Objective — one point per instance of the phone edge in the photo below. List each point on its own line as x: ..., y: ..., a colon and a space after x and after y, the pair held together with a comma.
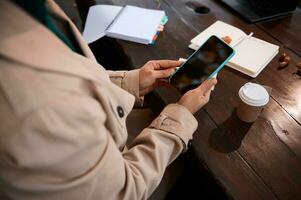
x: 215, y: 71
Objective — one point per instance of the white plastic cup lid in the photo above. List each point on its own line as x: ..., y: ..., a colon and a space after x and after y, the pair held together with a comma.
x: 254, y: 94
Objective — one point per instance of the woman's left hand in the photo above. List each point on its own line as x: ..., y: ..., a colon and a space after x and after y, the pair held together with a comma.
x: 152, y: 73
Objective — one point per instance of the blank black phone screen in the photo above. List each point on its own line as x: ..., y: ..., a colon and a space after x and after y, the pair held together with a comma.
x: 201, y: 64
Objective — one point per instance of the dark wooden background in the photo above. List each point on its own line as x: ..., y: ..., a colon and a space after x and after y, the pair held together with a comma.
x: 261, y: 160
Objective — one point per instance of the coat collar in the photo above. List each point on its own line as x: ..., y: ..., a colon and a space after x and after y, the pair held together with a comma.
x: 26, y: 41
x: 56, y: 10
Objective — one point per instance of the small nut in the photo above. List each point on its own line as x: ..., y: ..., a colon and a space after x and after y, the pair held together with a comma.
x: 287, y: 59
x: 284, y: 60
x: 299, y: 65
x: 281, y: 58
x: 283, y: 65
x: 227, y: 39
x: 298, y: 72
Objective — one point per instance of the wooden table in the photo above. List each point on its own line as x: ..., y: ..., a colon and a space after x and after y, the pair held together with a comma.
x: 251, y: 161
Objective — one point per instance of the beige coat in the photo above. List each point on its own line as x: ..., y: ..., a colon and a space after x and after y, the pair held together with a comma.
x: 62, y: 120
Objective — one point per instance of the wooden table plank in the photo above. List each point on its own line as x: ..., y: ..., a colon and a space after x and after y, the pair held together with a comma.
x: 259, y: 161
x: 288, y: 150
x: 252, y: 187
x: 285, y: 83
x: 230, y: 169
x: 271, y: 158
x: 290, y: 95
x: 287, y: 87
x: 286, y: 29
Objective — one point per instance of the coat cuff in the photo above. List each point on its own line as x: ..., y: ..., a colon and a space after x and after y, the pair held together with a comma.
x: 129, y: 81
x: 178, y: 120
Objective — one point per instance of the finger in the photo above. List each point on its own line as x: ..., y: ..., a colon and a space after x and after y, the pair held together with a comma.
x: 163, y: 73
x: 207, y: 85
x: 163, y: 64
x: 207, y: 94
x: 206, y: 97
x: 227, y: 39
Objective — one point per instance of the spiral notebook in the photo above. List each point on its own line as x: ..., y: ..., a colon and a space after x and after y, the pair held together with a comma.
x: 252, y: 54
x: 129, y: 23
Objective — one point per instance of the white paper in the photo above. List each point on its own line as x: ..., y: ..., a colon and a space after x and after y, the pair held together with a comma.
x: 252, y: 54
x: 136, y: 24
x: 219, y: 29
x: 98, y: 19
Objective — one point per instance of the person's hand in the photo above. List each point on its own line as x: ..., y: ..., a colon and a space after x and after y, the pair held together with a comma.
x: 152, y: 74
x: 195, y: 99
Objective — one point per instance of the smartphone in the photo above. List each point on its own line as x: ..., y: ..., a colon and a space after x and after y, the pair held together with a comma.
x: 203, y: 64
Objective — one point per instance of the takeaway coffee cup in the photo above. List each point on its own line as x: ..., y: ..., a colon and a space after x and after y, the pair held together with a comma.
x: 253, y: 99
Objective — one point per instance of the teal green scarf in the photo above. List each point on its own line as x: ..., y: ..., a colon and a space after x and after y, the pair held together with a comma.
x: 38, y: 9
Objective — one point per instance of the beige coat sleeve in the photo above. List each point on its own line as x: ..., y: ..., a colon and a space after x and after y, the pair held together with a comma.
x: 127, y: 80
x: 70, y: 154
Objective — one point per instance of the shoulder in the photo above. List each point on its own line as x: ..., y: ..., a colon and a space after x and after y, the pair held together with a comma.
x: 41, y: 119
x: 26, y: 89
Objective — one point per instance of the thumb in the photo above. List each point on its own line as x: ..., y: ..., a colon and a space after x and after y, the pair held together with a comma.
x: 206, y: 86
x: 165, y: 64
x: 164, y: 73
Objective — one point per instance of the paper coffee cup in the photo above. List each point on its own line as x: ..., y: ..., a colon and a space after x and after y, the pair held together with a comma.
x: 253, y: 99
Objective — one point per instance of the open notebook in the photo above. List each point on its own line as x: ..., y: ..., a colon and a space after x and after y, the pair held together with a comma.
x: 252, y: 54
x: 123, y: 22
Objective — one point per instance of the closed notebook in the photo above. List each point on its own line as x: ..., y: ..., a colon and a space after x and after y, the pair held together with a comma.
x: 252, y: 54
x: 128, y: 23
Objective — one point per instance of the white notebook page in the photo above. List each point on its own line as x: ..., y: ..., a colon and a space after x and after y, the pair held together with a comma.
x: 136, y: 23
x: 98, y: 19
x: 220, y: 29
x: 252, y: 54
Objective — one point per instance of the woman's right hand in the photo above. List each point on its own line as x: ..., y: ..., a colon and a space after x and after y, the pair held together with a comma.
x: 195, y: 99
